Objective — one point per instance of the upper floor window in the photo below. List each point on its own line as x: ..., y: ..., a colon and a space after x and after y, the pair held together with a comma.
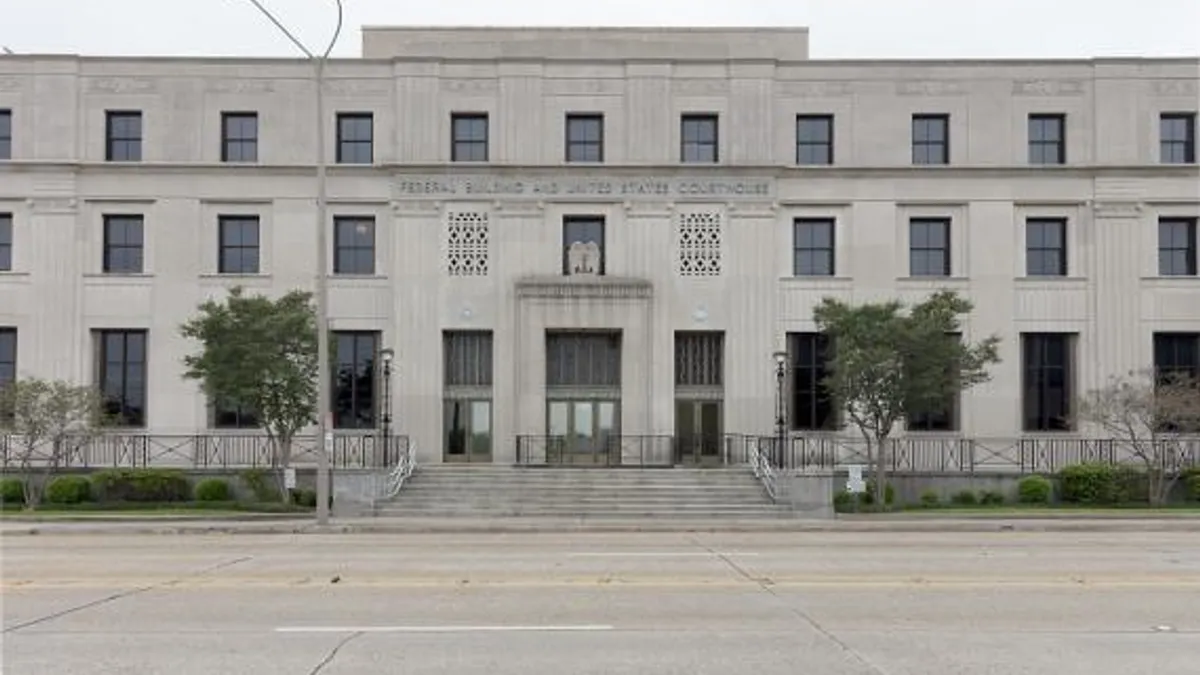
x: 814, y: 139
x: 355, y: 138
x: 585, y: 137
x: 929, y: 247
x: 123, y: 244
x: 5, y: 134
x: 123, y: 136
x: 469, y: 137
x: 8, y: 356
x: 1047, y: 139
x: 121, y: 375
x: 354, y: 245
x: 700, y: 139
x: 239, y: 245
x: 583, y: 245
x: 1176, y: 247
x: 931, y: 139
x: 812, y: 247
x: 6, y: 242
x: 1046, y: 247
x: 239, y: 137
x: 1177, y: 138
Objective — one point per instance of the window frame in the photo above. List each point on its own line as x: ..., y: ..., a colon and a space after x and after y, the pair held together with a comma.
x: 112, y: 142
x: 6, y: 134
x: 1038, y: 146
x: 103, y: 362
x: 8, y: 355
x: 830, y: 251
x: 338, y: 247
x: 367, y: 368
x: 109, y: 220
x: 1188, y: 248
x: 827, y: 146
x: 240, y: 142
x: 1186, y: 144
x: 699, y: 143
x: 224, y: 246
x: 1034, y: 372
x: 822, y: 411
x: 1177, y: 343
x: 1062, y: 251
x: 345, y: 144
x: 943, y: 119
x: 582, y: 219
x: 7, y: 245
x: 468, y: 358
x: 458, y: 144
x: 947, y: 252
x: 570, y: 145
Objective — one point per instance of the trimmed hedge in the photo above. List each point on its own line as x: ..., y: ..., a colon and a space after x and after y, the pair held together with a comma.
x: 141, y: 485
x: 930, y: 498
x: 964, y: 498
x: 992, y: 498
x: 1193, y: 487
x: 1035, y: 490
x: 69, y: 490
x: 212, y: 490
x: 12, y: 491
x: 1102, y: 484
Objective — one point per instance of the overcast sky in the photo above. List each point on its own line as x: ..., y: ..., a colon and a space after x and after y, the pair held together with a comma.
x: 839, y: 28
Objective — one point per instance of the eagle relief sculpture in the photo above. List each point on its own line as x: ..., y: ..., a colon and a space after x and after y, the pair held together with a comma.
x: 583, y: 258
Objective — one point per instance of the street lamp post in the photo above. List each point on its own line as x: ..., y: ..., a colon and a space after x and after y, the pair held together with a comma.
x: 386, y: 355
x: 324, y: 384
x: 781, y: 359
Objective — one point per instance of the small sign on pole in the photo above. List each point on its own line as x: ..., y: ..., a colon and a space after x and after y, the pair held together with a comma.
x: 855, y: 482
x: 289, y: 478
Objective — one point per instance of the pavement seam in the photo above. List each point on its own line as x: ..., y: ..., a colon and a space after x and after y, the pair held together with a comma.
x: 334, y: 652
x: 765, y: 585
x: 123, y: 594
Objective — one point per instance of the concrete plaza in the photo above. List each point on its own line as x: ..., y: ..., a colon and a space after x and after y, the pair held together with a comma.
x: 913, y: 603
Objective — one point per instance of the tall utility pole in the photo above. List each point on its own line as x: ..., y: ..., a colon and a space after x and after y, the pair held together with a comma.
x: 324, y: 383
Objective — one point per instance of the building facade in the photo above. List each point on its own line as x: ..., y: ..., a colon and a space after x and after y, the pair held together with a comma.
x: 590, y: 233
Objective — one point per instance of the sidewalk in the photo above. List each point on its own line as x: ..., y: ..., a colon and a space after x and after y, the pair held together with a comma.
x: 847, y: 524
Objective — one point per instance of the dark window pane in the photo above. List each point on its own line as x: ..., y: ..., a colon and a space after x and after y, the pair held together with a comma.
x: 123, y: 245
x: 121, y: 376
x: 1046, y: 247
x: 123, y: 136
x: 469, y: 138
x: 239, y: 137
x: 354, y: 380
x: 1047, y: 381
x: 8, y: 355
x: 1177, y: 138
x: 585, y: 138
x: 699, y: 136
x: 354, y: 245
x: 5, y: 134
x: 929, y: 247
x: 6, y: 241
x: 810, y: 405
x: 582, y: 230
x: 1177, y: 246
x: 813, y: 252
x: 239, y: 245
x: 583, y: 359
x: 931, y: 139
x: 355, y: 138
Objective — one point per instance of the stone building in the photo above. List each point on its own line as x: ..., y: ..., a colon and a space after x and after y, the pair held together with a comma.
x: 598, y: 233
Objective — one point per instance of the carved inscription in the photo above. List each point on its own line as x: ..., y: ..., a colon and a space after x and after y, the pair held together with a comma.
x: 814, y: 89
x: 1177, y: 87
x: 584, y: 86
x: 1048, y: 87
x: 931, y: 88
x: 700, y: 86
x: 436, y: 187
x: 473, y: 85
x: 11, y: 84
x: 121, y: 85
x: 241, y: 87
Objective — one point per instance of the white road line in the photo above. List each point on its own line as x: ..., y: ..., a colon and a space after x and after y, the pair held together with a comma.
x: 443, y: 629
x: 661, y: 554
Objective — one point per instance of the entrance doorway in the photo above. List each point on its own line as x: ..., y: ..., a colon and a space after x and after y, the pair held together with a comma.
x: 698, y: 432
x: 583, y: 432
x: 468, y: 431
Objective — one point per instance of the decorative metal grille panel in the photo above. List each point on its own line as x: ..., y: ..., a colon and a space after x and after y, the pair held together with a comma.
x: 699, y: 359
x: 468, y: 244
x: 699, y: 244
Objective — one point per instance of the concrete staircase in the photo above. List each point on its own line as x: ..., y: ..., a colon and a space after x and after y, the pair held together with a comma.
x: 497, y: 491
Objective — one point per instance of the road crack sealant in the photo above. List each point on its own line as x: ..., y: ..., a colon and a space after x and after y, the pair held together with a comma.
x: 128, y: 593
x: 333, y: 653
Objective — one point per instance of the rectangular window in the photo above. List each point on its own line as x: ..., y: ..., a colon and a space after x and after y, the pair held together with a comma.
x: 232, y: 416
x: 944, y: 418
x: 123, y: 244
x: 6, y: 242
x: 123, y: 136
x: 239, y: 245
x: 585, y: 137
x: 810, y: 406
x: 1176, y: 247
x: 469, y: 137
x: 700, y: 139
x: 1046, y: 247
x: 8, y: 356
x: 929, y: 247
x: 931, y: 139
x: 1176, y: 355
x: 467, y: 358
x: 1048, y: 139
x: 121, y: 376
x: 583, y: 245
x: 812, y: 247
x: 354, y: 245
x: 354, y: 380
x: 5, y: 134
x: 699, y: 358
x: 1048, y: 381
x: 583, y: 359
x: 355, y: 138
x: 239, y: 137
x: 814, y: 139
x: 1177, y: 138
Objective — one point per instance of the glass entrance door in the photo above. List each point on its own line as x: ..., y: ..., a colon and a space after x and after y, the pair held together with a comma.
x: 468, y: 435
x: 583, y: 432
x: 698, y: 432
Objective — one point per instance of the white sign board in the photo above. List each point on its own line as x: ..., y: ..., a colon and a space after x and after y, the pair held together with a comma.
x: 855, y: 482
x: 289, y: 479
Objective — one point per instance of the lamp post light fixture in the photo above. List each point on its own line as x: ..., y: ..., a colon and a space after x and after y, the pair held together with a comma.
x: 324, y: 377
x: 781, y: 362
x: 386, y: 355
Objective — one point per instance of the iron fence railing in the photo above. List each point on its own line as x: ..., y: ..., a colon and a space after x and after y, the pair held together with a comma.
x: 205, y: 451
x: 970, y: 455
x: 639, y: 450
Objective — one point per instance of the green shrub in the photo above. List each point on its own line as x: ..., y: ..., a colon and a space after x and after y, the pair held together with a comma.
x: 1193, y: 487
x: 69, y: 490
x: 1035, y: 490
x: 843, y: 502
x: 261, y: 484
x: 992, y: 498
x: 12, y: 491
x: 141, y: 485
x: 964, y: 498
x: 212, y: 490
x: 868, y: 497
x: 930, y: 498
x: 304, y: 497
x: 1102, y: 484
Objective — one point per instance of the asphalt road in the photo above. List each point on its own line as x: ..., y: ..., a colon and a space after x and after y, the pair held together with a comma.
x: 557, y: 604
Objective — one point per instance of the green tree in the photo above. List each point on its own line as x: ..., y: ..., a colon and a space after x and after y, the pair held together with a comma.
x: 888, y: 362
x: 47, y: 421
x: 260, y: 354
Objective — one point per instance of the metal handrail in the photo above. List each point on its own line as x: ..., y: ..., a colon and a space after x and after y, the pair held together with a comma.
x: 404, y: 469
x: 763, y: 470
